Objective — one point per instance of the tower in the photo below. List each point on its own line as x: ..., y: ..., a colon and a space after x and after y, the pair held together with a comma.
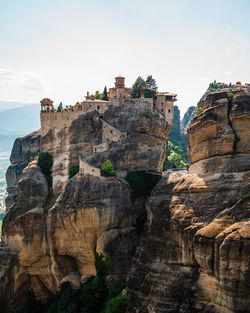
x: 119, y: 82
x: 46, y: 104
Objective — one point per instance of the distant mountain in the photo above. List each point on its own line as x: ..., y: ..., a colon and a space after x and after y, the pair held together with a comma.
x: 21, y: 120
x: 7, y: 105
x: 18, y: 122
x: 188, y: 116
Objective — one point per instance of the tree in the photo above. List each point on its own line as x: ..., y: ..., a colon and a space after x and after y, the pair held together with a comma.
x: 108, y: 169
x: 105, y: 94
x: 138, y: 87
x: 176, y: 156
x: 120, y: 304
x: 45, y: 161
x: 60, y: 107
x: 98, y: 95
x: 73, y: 171
x: 150, y: 87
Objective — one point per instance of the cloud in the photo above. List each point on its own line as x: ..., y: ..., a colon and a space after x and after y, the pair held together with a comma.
x: 19, y: 79
x: 205, y: 79
x: 228, y: 73
x: 18, y: 85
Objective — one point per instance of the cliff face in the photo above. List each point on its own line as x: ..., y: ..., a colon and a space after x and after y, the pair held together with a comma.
x: 24, y: 150
x: 194, y: 252
x: 86, y: 212
x: 188, y: 116
x: 143, y: 146
x: 176, y: 129
x: 219, y: 136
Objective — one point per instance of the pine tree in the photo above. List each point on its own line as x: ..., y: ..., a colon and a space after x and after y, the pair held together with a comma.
x: 105, y: 94
x: 150, y: 87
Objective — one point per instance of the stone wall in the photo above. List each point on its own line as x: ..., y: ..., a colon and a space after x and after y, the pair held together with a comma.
x: 63, y: 119
x: 111, y: 133
x: 101, y: 147
x: 86, y: 168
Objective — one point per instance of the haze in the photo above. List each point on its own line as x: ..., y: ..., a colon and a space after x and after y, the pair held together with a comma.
x: 62, y: 49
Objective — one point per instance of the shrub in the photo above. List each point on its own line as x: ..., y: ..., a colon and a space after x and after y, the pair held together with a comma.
x: 141, y: 183
x: 230, y: 96
x: 120, y: 304
x: 115, y: 288
x: 50, y: 201
x: 94, y: 296
x: 108, y: 169
x: 73, y: 171
x: 45, y: 161
x: 198, y: 111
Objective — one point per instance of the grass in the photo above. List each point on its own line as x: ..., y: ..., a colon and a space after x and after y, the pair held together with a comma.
x: 243, y: 196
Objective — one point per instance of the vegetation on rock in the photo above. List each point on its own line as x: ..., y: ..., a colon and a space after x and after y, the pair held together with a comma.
x: 108, y: 169
x: 73, y: 171
x: 96, y: 295
x: 45, y: 161
x: 176, y: 155
x: 141, y: 183
x: 198, y: 111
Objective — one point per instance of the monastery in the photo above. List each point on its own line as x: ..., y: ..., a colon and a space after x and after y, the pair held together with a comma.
x: 118, y: 95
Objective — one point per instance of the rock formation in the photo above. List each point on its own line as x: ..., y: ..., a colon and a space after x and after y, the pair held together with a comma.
x: 175, y: 132
x: 219, y: 136
x: 52, y: 238
x: 188, y: 116
x: 24, y: 150
x: 194, y: 251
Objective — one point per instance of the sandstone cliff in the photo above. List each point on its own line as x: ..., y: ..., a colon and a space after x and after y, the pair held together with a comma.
x: 24, y: 150
x: 194, y: 252
x: 54, y: 244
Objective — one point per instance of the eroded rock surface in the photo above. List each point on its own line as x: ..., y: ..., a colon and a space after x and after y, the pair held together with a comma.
x: 144, y: 147
x: 219, y: 136
x: 194, y: 252
x: 92, y: 213
x: 25, y: 149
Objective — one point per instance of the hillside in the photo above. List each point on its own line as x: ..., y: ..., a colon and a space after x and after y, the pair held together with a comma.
x: 20, y: 120
x: 16, y: 123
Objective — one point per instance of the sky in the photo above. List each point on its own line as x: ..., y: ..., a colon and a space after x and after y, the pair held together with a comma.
x: 63, y: 48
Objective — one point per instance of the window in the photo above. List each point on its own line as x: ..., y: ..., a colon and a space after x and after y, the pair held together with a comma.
x: 169, y: 110
x: 98, y: 107
x: 162, y: 110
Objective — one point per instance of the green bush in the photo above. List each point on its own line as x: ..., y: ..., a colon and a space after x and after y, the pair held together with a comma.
x: 108, y: 169
x: 141, y: 183
x: 176, y: 155
x: 230, y: 96
x: 96, y: 295
x: 50, y: 201
x: 73, y: 171
x: 45, y: 161
x: 120, y: 304
x: 198, y: 111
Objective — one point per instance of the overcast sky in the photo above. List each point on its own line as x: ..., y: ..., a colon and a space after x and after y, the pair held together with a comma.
x: 63, y: 48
